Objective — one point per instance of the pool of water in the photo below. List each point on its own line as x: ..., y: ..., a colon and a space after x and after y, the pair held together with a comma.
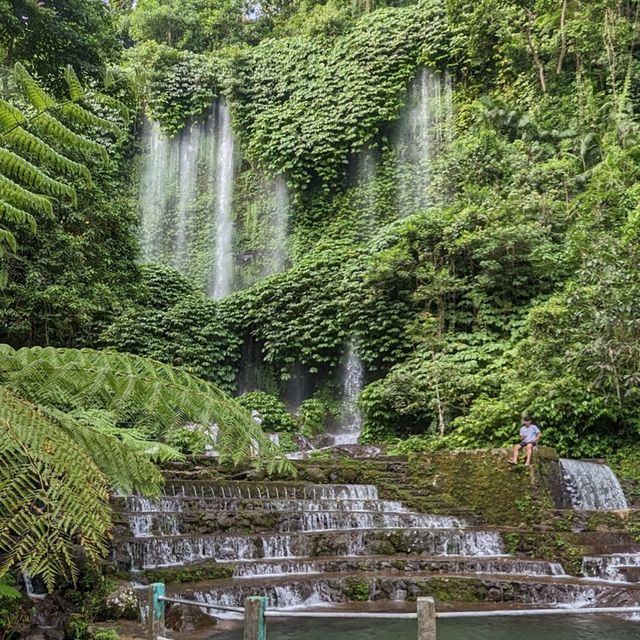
x: 532, y: 628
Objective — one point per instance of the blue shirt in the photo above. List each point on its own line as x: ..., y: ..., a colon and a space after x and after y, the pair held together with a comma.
x: 528, y: 434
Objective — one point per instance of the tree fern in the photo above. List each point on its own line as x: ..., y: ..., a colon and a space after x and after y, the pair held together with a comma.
x: 29, y: 166
x: 138, y: 391
x: 52, y: 495
x: 26, y: 143
x: 61, y: 448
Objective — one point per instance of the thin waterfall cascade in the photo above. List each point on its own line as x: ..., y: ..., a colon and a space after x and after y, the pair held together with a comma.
x: 352, y: 384
x: 424, y: 127
x: 225, y: 164
x: 366, y: 176
x: 591, y: 486
x: 622, y: 567
x: 186, y: 200
x: 279, y: 225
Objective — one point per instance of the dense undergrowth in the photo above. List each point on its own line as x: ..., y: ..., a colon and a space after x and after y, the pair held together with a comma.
x: 514, y: 286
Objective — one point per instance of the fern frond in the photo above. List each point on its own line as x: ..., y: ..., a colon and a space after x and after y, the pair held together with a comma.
x: 6, y: 237
x: 52, y: 495
x: 126, y: 467
x: 86, y: 118
x: 138, y: 391
x: 12, y: 214
x: 48, y: 125
x: 28, y: 173
x: 23, y: 198
x: 10, y: 117
x: 76, y: 90
x: 27, y: 143
x: 37, y: 96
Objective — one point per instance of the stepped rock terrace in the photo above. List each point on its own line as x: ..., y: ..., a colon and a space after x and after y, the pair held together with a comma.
x: 317, y: 543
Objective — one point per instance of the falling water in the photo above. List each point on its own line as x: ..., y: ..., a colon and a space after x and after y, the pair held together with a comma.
x: 366, y: 179
x: 351, y: 423
x: 223, y: 274
x: 158, y: 174
x: 188, y: 145
x: 592, y: 486
x: 423, y: 128
x: 280, y: 224
x: 186, y: 194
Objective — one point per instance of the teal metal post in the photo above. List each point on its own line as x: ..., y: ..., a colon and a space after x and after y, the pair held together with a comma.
x: 255, y: 623
x: 155, y: 623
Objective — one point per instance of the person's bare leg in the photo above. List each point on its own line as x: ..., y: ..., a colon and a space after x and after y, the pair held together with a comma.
x: 529, y: 452
x: 516, y: 450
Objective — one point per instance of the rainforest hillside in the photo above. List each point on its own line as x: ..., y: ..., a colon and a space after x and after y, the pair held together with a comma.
x: 439, y: 195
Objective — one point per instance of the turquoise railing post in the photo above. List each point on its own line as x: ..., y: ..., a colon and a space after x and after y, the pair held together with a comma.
x: 255, y: 623
x: 155, y: 622
x: 426, y: 611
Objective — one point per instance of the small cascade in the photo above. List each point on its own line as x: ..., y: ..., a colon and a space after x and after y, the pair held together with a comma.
x: 186, y: 193
x: 279, y: 226
x: 353, y: 381
x: 424, y: 126
x: 624, y: 567
x: 591, y: 486
x: 366, y: 176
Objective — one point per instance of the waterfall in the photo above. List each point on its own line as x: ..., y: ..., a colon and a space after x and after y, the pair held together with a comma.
x: 223, y: 273
x: 186, y: 194
x: 591, y: 486
x: 280, y: 225
x: 188, y: 145
x: 366, y: 181
x: 353, y: 381
x: 157, y: 175
x: 423, y: 127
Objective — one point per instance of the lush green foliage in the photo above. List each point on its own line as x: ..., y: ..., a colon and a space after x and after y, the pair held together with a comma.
x: 271, y: 410
x: 511, y: 285
x: 25, y: 189
x: 74, y: 424
x: 178, y: 85
x: 202, y: 338
x: 304, y: 104
x: 51, y: 34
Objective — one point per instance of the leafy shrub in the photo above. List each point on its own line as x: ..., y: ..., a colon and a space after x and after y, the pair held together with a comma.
x: 273, y: 411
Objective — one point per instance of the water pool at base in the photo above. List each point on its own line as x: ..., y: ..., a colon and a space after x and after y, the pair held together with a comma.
x: 533, y: 628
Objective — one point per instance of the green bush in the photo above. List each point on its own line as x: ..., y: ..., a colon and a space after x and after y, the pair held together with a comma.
x: 273, y: 412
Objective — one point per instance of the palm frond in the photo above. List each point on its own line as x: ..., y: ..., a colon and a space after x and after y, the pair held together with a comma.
x: 138, y: 391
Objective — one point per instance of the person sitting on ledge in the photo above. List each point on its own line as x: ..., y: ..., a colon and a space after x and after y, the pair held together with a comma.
x: 529, y: 436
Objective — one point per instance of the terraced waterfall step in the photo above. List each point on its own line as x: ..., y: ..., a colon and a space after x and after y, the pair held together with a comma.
x: 164, y: 551
x: 307, y: 591
x: 303, y: 544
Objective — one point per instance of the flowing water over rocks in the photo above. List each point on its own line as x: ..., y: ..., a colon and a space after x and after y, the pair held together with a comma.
x: 590, y: 485
x: 304, y: 544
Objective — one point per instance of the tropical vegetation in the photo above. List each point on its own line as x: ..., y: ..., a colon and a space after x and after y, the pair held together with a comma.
x: 509, y: 284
